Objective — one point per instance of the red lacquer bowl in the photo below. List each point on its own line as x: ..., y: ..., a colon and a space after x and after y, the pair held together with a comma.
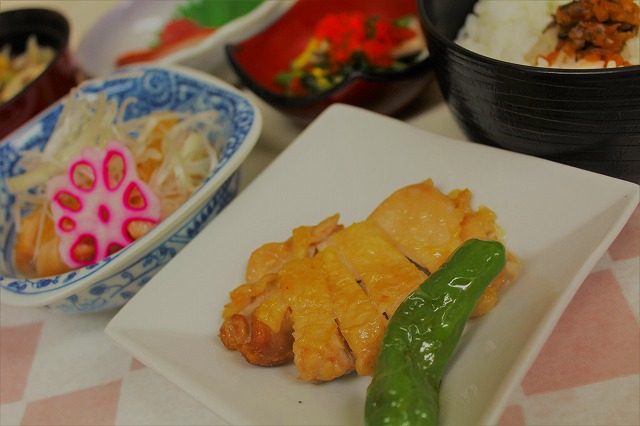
x: 259, y: 59
x: 52, y: 29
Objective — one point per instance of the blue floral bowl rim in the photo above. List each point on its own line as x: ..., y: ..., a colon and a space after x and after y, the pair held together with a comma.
x: 165, y: 228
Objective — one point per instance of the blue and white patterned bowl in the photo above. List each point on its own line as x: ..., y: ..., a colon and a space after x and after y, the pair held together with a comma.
x: 111, y: 282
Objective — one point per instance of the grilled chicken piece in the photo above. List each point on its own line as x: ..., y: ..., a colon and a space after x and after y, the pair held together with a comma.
x: 358, y: 318
x: 432, y: 225
x: 242, y: 329
x: 423, y: 222
x: 267, y: 260
x: 256, y: 341
x: 482, y: 224
x: 320, y: 351
x: 506, y: 277
x: 250, y: 294
x: 256, y: 320
x: 329, y: 309
x: 387, y: 275
x: 271, y: 256
x: 324, y: 296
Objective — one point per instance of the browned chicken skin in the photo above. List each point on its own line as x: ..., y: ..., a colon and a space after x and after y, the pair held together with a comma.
x: 324, y: 296
x: 256, y: 341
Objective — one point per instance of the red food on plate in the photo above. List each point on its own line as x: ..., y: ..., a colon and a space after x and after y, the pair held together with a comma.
x: 176, y: 34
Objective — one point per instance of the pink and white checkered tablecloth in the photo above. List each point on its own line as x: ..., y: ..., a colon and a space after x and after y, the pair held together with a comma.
x: 61, y: 370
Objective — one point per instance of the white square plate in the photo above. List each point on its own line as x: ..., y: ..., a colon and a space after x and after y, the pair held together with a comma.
x: 558, y: 219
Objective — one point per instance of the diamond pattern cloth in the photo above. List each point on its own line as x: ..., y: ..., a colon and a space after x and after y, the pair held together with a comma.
x: 56, y: 370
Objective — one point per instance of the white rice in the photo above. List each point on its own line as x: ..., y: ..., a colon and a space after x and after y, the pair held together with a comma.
x: 513, y: 31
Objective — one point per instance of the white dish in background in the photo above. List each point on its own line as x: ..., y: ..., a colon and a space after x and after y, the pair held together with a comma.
x: 135, y: 24
x: 558, y: 219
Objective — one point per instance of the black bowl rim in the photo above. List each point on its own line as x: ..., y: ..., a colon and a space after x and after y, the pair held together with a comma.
x: 433, y: 32
x: 59, y: 52
x: 283, y: 101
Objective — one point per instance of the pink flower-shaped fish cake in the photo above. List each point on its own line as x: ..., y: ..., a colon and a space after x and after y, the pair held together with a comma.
x: 100, y: 205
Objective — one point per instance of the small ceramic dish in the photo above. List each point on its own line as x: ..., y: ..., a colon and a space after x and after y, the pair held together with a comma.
x: 51, y: 29
x: 111, y: 282
x: 257, y: 61
x: 135, y: 25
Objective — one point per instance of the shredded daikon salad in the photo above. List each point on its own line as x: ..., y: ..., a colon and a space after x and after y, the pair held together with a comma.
x: 173, y: 154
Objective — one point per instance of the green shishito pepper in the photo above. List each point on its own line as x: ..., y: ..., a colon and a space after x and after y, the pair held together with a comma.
x: 423, y: 333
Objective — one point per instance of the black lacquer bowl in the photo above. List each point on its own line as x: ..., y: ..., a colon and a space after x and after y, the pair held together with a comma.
x: 584, y: 118
x: 51, y: 29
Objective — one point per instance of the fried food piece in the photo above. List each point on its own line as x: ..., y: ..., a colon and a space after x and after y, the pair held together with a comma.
x: 273, y: 309
x: 257, y: 343
x: 320, y: 351
x: 267, y: 260
x: 423, y: 222
x: 387, y: 275
x: 337, y: 287
x: 245, y: 295
x: 243, y: 330
x: 297, y: 304
x: 358, y: 318
x: 271, y: 256
x: 507, y: 276
x: 427, y: 226
x: 258, y: 311
x: 482, y: 224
